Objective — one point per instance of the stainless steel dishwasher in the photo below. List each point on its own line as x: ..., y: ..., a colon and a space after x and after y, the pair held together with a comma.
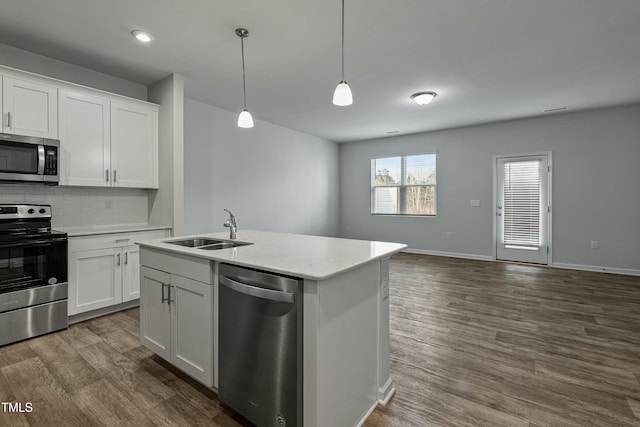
x: 260, y: 346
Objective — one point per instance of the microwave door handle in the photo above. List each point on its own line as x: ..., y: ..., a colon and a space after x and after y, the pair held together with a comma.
x: 40, y: 159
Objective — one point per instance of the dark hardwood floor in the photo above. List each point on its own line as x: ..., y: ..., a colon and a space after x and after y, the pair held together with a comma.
x: 473, y: 343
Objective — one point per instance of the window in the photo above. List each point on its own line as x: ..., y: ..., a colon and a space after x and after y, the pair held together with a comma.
x: 404, y: 185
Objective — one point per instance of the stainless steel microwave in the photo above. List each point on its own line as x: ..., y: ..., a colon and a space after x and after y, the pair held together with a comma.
x: 29, y: 159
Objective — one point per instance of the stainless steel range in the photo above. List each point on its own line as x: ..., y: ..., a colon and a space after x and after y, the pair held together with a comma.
x: 33, y: 273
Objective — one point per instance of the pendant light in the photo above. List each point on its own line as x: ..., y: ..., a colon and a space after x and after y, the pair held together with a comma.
x: 244, y: 119
x: 342, y: 95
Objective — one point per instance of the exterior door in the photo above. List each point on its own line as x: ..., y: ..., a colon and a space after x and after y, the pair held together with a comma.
x: 522, y: 208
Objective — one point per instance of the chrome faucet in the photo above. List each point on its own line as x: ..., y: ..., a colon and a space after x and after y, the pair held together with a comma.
x: 231, y: 223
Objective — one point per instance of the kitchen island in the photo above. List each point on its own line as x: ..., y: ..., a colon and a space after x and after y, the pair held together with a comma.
x: 345, y: 313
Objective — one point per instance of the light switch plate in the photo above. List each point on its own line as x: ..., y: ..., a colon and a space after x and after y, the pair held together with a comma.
x: 475, y: 203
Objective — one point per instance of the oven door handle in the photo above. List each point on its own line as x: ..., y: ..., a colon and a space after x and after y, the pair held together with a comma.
x: 40, y: 243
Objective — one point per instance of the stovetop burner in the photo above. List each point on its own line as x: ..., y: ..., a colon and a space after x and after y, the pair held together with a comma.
x: 20, y: 223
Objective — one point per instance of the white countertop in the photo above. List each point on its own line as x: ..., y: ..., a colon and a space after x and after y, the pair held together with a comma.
x: 109, y: 229
x: 310, y: 257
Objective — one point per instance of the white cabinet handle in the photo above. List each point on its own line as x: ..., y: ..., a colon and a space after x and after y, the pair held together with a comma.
x: 106, y: 175
x: 126, y: 258
x: 122, y: 240
x: 118, y: 257
x: 115, y: 176
x: 9, y: 119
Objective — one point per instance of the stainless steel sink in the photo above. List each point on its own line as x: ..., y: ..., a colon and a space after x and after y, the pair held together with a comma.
x: 195, y: 242
x: 207, y: 243
x: 224, y: 245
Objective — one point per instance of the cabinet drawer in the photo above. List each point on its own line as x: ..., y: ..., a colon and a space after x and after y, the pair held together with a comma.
x: 114, y: 240
x: 182, y: 265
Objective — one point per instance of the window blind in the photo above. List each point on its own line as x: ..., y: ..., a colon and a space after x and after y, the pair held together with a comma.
x: 521, y: 205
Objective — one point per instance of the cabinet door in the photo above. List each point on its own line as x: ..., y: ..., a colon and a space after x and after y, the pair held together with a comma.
x: 95, y: 279
x: 192, y: 328
x: 130, y: 273
x: 155, y: 313
x: 133, y: 141
x: 85, y: 136
x: 29, y: 108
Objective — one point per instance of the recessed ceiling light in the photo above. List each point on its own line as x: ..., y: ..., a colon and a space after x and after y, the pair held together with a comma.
x: 423, y: 98
x: 143, y: 36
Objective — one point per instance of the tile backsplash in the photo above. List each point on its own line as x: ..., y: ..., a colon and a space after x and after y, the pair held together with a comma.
x: 80, y: 206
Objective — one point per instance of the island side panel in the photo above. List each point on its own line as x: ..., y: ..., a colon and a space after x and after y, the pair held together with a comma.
x: 343, y: 310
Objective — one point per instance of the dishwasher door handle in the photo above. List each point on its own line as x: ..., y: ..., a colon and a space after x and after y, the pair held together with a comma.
x: 269, y: 294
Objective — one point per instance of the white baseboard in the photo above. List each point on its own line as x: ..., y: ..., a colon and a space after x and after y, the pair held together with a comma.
x: 449, y: 254
x: 626, y: 271
x: 386, y: 392
x: 583, y: 267
x: 366, y: 415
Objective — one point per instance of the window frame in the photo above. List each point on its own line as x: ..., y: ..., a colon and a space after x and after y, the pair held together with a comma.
x: 402, y: 187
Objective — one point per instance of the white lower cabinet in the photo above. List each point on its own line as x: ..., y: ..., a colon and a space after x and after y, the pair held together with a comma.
x: 95, y: 279
x: 176, y: 321
x: 104, y: 270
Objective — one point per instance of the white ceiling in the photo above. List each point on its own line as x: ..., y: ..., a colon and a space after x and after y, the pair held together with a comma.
x: 488, y: 60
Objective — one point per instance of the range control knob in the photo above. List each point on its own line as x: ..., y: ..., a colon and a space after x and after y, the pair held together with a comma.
x: 30, y: 211
x: 42, y: 210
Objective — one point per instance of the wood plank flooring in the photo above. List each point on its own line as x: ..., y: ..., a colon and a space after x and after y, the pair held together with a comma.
x: 477, y: 343
x: 473, y: 343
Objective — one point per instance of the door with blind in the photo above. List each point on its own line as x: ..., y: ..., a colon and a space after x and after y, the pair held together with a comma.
x: 522, y: 208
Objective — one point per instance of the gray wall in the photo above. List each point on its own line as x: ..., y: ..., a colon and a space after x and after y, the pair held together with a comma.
x: 596, y: 193
x: 39, y: 64
x: 272, y: 178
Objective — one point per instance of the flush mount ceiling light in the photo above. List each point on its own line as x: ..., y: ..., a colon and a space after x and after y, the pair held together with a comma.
x: 244, y: 119
x: 342, y: 95
x: 423, y: 98
x: 142, y: 36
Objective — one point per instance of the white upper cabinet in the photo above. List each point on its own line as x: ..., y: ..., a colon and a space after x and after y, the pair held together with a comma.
x: 133, y: 145
x: 85, y: 135
x: 29, y: 108
x: 107, y: 143
x: 106, y: 140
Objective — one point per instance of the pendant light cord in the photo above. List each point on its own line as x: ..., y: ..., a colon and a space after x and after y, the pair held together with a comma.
x: 342, y: 40
x: 244, y: 88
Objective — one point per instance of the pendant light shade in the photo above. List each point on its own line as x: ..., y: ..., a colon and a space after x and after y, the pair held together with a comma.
x: 342, y: 95
x: 244, y: 119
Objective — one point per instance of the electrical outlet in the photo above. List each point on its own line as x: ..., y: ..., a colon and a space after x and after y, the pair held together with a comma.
x: 107, y: 204
x: 449, y: 235
x: 594, y: 244
x: 385, y: 288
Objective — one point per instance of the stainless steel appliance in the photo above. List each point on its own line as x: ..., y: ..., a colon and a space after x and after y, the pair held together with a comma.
x: 260, y: 346
x: 29, y: 159
x: 33, y: 273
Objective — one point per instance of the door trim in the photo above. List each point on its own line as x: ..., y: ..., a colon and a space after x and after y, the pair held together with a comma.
x: 494, y: 210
